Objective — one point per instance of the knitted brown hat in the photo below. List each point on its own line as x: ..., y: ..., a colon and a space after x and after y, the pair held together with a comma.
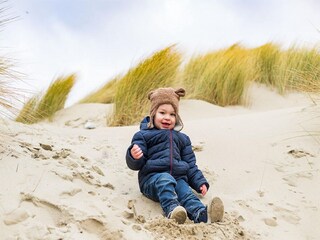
x: 165, y: 96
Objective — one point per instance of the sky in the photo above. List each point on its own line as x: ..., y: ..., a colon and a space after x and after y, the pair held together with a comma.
x: 100, y: 39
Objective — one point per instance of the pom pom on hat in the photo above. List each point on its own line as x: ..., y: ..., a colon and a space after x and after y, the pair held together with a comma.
x: 165, y: 96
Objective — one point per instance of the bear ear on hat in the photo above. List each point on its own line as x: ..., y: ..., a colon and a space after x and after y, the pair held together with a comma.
x: 149, y: 95
x: 180, y: 92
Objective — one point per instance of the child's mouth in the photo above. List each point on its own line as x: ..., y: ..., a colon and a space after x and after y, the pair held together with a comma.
x: 166, y: 125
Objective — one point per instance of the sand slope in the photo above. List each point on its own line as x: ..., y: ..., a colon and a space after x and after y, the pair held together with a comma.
x: 62, y: 181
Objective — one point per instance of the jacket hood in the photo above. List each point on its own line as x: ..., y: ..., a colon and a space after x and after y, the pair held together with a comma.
x: 145, y: 123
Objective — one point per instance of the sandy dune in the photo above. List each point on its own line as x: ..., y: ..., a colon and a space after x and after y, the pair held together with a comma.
x: 60, y: 180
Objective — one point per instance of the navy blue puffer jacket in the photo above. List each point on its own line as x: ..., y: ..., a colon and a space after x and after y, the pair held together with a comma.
x: 165, y: 151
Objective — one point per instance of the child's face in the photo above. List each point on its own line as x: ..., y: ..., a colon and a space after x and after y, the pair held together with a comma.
x: 165, y: 117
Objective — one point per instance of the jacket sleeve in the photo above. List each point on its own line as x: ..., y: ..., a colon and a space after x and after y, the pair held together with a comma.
x: 195, y: 176
x: 131, y: 162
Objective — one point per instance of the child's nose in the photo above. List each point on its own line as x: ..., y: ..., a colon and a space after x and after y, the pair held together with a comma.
x: 167, y: 116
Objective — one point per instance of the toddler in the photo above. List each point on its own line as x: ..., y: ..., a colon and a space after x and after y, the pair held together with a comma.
x: 167, y: 164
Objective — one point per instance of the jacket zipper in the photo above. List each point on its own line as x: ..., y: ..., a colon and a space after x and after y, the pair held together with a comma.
x: 171, y: 153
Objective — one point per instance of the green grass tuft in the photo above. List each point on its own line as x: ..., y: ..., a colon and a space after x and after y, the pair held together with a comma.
x: 27, y: 113
x: 300, y: 69
x: 9, y: 94
x: 267, y: 64
x: 37, y: 109
x: 131, y: 103
x: 220, y: 77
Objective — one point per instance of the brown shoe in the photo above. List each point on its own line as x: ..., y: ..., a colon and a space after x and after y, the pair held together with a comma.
x: 179, y: 214
x: 216, y: 210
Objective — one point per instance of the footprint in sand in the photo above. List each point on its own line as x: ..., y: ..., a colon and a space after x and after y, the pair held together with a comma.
x: 292, y: 179
x: 16, y: 216
x: 38, y: 231
x: 131, y: 214
x: 287, y: 215
x: 272, y: 222
x: 96, y: 226
x: 280, y: 169
x: 62, y: 216
x: 59, y: 216
x: 246, y: 206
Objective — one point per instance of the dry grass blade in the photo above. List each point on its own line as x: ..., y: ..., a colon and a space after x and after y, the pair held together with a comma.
x: 220, y: 77
x: 9, y: 95
x: 55, y: 96
x: 37, y: 109
x: 267, y: 62
x: 5, y: 15
x: 299, y: 67
x: 131, y: 103
x: 26, y: 114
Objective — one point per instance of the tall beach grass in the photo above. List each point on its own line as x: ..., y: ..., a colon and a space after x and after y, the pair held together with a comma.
x: 220, y: 77
x: 53, y: 100
x: 300, y: 69
x: 294, y: 69
x: 158, y: 70
x: 10, y: 94
x: 267, y: 61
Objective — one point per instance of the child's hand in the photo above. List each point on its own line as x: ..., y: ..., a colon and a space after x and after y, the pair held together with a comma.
x: 136, y: 152
x: 203, y: 189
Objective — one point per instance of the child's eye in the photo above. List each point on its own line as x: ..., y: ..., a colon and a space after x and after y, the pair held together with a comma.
x: 173, y: 114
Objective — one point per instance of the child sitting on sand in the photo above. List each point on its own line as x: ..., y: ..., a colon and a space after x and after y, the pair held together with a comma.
x: 167, y: 164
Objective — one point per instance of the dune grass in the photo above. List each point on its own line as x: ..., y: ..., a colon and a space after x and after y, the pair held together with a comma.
x: 267, y: 60
x: 308, y: 80
x: 9, y: 93
x: 131, y: 103
x: 300, y: 69
x: 294, y: 69
x: 220, y: 77
x: 39, y: 108
x: 27, y: 113
x: 310, y: 84
x: 105, y: 94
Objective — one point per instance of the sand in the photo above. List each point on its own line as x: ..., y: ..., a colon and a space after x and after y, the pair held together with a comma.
x: 60, y: 180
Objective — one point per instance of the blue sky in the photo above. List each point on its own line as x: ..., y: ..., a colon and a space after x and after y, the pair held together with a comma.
x: 99, y: 39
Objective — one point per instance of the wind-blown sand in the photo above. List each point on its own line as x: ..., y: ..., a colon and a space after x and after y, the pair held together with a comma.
x: 62, y: 181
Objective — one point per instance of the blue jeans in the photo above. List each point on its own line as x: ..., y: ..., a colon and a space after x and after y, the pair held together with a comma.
x: 163, y: 188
